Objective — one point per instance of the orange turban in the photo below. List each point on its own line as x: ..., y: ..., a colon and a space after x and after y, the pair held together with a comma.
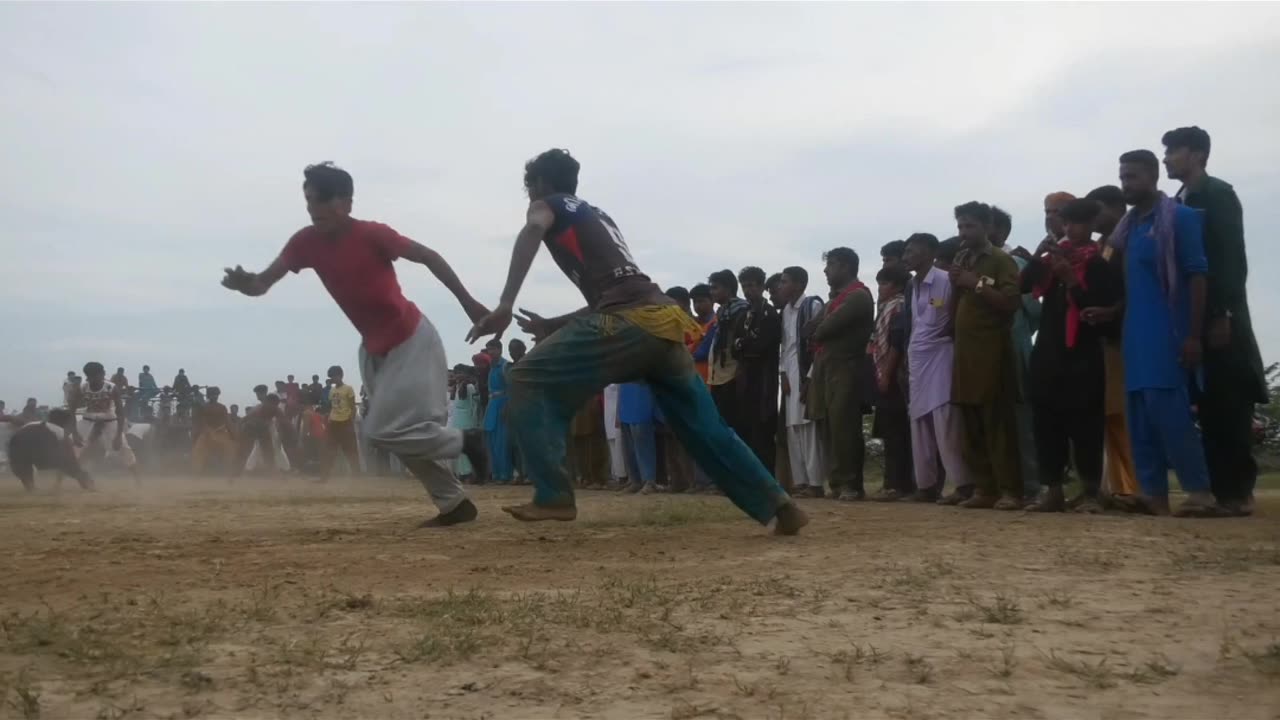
x: 1055, y: 201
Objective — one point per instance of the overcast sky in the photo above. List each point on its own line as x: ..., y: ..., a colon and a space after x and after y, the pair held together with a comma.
x: 147, y: 146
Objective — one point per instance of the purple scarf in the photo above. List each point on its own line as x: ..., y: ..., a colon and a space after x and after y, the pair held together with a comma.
x: 1162, y: 232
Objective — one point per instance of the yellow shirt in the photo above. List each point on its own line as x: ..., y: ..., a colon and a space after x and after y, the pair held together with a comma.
x: 342, y: 403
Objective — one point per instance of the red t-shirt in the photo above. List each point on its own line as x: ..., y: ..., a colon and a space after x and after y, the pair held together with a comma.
x: 355, y: 268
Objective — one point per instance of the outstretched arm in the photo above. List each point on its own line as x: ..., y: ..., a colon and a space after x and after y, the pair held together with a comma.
x: 423, y: 255
x: 254, y: 284
x: 537, y: 222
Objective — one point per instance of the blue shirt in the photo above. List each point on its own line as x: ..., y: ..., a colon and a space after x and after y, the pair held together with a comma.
x: 635, y: 404
x: 497, y: 395
x: 1153, y: 328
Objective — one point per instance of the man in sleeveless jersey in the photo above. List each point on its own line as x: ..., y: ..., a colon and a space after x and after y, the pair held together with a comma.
x: 629, y: 331
x: 402, y: 360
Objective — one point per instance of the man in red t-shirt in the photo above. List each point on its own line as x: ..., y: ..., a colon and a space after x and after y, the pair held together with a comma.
x: 402, y: 360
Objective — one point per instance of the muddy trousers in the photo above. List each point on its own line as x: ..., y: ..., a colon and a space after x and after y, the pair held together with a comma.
x: 409, y: 412
x: 36, y: 446
x: 562, y: 372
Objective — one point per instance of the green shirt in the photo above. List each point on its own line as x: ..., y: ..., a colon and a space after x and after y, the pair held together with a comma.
x: 984, y: 355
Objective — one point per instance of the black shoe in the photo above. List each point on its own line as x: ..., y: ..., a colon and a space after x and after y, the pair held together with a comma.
x: 927, y: 495
x: 464, y: 513
x: 473, y: 448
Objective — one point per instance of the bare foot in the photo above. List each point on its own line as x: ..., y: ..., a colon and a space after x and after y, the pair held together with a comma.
x: 789, y: 519
x: 535, y: 513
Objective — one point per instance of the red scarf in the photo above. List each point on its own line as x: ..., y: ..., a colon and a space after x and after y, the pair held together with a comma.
x: 1079, y: 257
x: 839, y: 300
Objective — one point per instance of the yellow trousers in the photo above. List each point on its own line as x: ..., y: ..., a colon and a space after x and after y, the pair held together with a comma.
x: 1118, y: 475
x: 217, y: 441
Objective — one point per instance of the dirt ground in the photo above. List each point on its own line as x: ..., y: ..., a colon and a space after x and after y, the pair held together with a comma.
x: 189, y: 599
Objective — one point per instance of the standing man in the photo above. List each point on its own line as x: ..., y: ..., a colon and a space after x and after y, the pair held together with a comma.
x: 1026, y: 322
x: 401, y: 357
x: 216, y: 435
x: 757, y: 381
x: 1118, y: 478
x: 1163, y: 325
x: 1068, y: 371
x: 1234, y: 379
x: 888, y: 353
x: 984, y: 382
x: 704, y: 312
x: 936, y: 434
x: 628, y: 331
x: 723, y: 373
x: 340, y: 433
x: 840, y: 336
x: 497, y: 439
x: 147, y: 385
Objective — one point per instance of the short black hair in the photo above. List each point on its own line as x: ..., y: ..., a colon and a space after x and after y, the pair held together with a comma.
x: 1108, y: 195
x: 213, y: 392
x: 751, y: 273
x: 842, y: 255
x: 947, y: 249
x: 1001, y: 220
x: 493, y: 343
x: 1082, y: 210
x: 556, y: 168
x: 772, y: 283
x: 679, y: 294
x: 516, y: 342
x: 335, y: 370
x: 798, y: 275
x: 328, y: 181
x: 893, y: 249
x: 272, y: 398
x: 1145, y: 158
x: 1193, y: 138
x: 975, y: 210
x: 92, y: 367
x: 895, y: 274
x: 258, y: 389
x: 930, y: 242
x: 701, y: 290
x: 58, y: 416
x: 725, y: 279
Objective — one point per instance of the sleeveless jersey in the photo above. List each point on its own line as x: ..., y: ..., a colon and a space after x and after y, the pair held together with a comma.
x: 588, y: 247
x: 98, y: 404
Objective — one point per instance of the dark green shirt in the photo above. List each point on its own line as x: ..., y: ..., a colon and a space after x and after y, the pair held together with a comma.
x: 984, y: 359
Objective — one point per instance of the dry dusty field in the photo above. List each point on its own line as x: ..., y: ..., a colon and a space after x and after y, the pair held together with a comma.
x: 189, y: 599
